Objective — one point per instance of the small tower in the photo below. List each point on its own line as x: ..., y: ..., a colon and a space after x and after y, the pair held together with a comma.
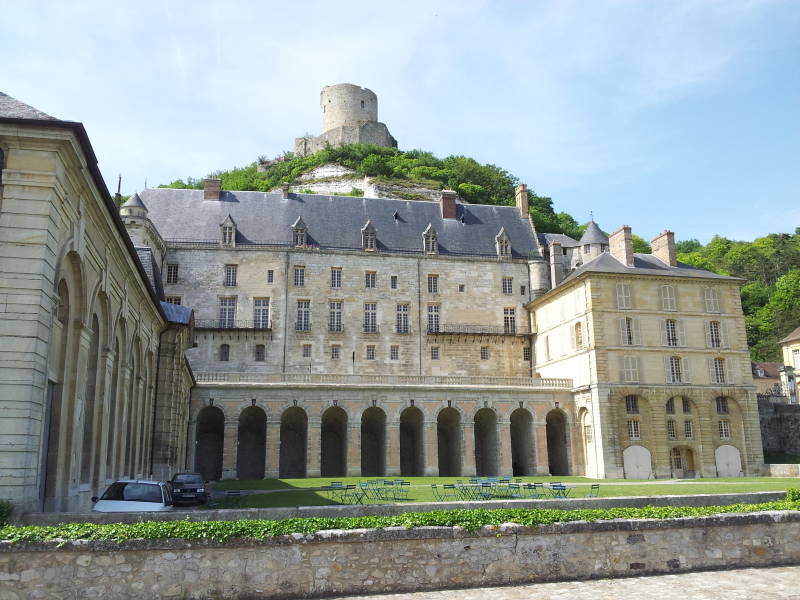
x: 133, y: 207
x: 592, y: 244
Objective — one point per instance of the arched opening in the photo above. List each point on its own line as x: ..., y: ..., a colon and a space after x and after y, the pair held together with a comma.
x: 252, y: 448
x: 89, y: 402
x: 729, y: 461
x: 294, y: 441
x: 448, y: 437
x: 486, y: 450
x: 412, y: 458
x: 210, y: 437
x: 333, y: 460
x: 522, y: 460
x: 373, y: 442
x: 556, y: 426
x: 681, y: 462
x: 636, y: 462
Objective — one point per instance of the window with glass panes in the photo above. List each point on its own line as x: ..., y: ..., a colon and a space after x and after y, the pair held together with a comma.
x: 711, y: 300
x: 676, y: 459
x: 261, y: 353
x: 393, y: 282
x: 230, y: 276
x: 401, y: 320
x: 688, y: 430
x: 172, y: 274
x: 370, y: 279
x: 303, y: 322
x: 626, y: 331
x: 484, y: 352
x: 671, y: 429
x: 336, y: 352
x: 670, y: 406
x: 227, y: 311
x: 173, y: 300
x: 370, y: 317
x: 526, y: 353
x: 633, y: 430
x: 335, y: 315
x: 509, y: 320
x: 718, y: 367
x: 336, y: 277
x: 714, y: 334
x: 433, y: 284
x: 306, y: 350
x: 687, y: 406
x: 227, y: 235
x: 224, y: 352
x: 434, y: 352
x: 370, y: 353
x: 433, y: 318
x: 624, y: 296
x: 270, y: 276
x: 261, y: 313
x: 668, y: 298
x: 632, y: 405
x: 394, y: 352
x: 671, y: 329
x: 722, y: 406
x: 508, y: 285
x: 675, y: 369
x: 724, y: 429
x: 299, y: 276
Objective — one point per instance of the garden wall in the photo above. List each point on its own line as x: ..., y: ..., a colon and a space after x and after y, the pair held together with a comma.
x: 395, y: 559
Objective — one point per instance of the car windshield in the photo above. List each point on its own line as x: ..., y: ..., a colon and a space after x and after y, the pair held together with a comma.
x: 133, y: 492
x: 187, y: 478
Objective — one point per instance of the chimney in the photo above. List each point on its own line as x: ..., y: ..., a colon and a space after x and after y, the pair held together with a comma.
x: 620, y: 244
x: 521, y: 196
x: 448, y: 204
x: 285, y: 188
x: 664, y: 248
x: 556, y: 264
x: 211, y: 189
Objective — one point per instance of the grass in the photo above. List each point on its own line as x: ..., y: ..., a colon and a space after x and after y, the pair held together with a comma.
x: 305, y: 492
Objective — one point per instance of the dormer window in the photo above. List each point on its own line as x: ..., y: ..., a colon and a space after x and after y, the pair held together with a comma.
x: 429, y: 240
x: 368, y: 237
x: 299, y: 233
x: 228, y: 231
x: 503, y: 244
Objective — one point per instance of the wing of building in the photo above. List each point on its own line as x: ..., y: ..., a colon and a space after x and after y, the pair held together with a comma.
x: 332, y: 336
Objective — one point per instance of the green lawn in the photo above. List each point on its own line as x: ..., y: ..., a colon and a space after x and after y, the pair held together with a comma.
x: 305, y: 492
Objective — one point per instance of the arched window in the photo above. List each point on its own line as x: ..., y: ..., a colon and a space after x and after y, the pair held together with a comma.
x: 670, y: 406
x: 224, y: 353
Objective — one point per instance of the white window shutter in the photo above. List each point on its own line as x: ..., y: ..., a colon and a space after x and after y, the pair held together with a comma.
x: 711, y: 378
x: 662, y: 296
x: 637, y: 333
x: 635, y: 368
x: 622, y: 341
x: 686, y: 375
x: 663, y: 332
x: 681, y: 333
x: 675, y: 297
x: 622, y: 369
x: 629, y: 289
x: 729, y: 370
x: 572, y: 337
x: 723, y: 331
x: 620, y: 295
x: 667, y: 373
x: 707, y: 330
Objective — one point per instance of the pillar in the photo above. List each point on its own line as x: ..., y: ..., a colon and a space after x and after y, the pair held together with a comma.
x: 271, y: 464
x: 468, y: 444
x: 392, y: 448
x: 504, y: 443
x: 353, y: 442
x: 313, y: 447
x: 430, y: 448
x: 229, y: 446
x: 540, y: 440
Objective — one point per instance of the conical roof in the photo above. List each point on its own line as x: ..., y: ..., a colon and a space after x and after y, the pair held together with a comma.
x: 14, y: 109
x: 593, y: 235
x: 134, y: 202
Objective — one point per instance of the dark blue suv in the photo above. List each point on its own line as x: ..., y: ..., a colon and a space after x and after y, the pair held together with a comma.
x: 189, y: 487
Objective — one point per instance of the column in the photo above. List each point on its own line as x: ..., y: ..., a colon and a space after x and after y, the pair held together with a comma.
x: 75, y: 436
x: 314, y: 447
x: 468, y: 444
x: 540, y: 439
x: 504, y: 439
x: 393, y: 448
x: 430, y: 440
x: 271, y: 464
x: 353, y: 467
x: 103, y: 414
x: 230, y: 445
x: 123, y: 414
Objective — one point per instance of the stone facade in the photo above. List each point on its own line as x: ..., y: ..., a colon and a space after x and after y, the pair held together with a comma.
x: 396, y: 559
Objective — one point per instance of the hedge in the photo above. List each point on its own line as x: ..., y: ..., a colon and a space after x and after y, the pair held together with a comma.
x: 470, y: 520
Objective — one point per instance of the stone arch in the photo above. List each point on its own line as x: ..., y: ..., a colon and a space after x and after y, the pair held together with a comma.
x: 333, y: 459
x: 557, y: 442
x: 448, y: 438
x: 728, y: 460
x: 487, y: 448
x: 522, y: 448
x: 373, y: 442
x: 637, y: 463
x: 209, y: 440
x: 252, y: 443
x: 293, y: 443
x: 412, y: 455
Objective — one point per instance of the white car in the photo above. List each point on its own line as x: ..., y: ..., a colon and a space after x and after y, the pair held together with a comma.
x: 134, y: 495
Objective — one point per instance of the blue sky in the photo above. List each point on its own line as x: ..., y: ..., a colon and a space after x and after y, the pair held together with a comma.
x: 679, y: 115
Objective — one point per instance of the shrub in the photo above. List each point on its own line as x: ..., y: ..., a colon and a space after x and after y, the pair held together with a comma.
x: 5, y: 511
x: 793, y: 495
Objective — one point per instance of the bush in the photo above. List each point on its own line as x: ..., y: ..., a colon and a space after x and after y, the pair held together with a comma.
x: 5, y: 511
x: 793, y: 495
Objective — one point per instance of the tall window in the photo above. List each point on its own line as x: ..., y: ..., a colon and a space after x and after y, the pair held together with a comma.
x: 688, y: 430
x: 394, y: 352
x: 722, y: 406
x: 227, y: 235
x: 335, y: 315
x: 270, y: 276
x: 711, y: 299
x: 368, y: 239
x: 434, y: 352
x: 687, y: 406
x: 670, y: 406
x: 796, y: 358
x: 508, y: 285
x: 718, y: 374
x: 714, y: 334
x: 484, y: 352
x: 227, y: 311
x: 261, y: 313
x: 370, y: 279
x: 299, y: 276
x: 675, y: 458
x: 370, y: 353
x: 633, y: 430
x: 303, y: 322
x: 336, y: 277
x: 675, y: 369
x: 671, y: 332
x: 526, y: 353
x: 671, y: 429
x: 577, y: 335
x: 509, y: 320
x: 433, y: 318
x: 172, y: 274
x: 401, y: 320
x: 260, y: 353
x: 299, y: 237
x: 724, y: 429
x: 224, y: 353
x: 627, y: 332
x: 336, y: 352
x: 668, y: 298
x: 306, y: 350
x: 624, y: 296
x: 393, y: 282
x: 630, y: 369
x: 632, y: 405
x: 429, y: 241
x: 230, y: 276
x: 370, y: 317
x: 433, y: 284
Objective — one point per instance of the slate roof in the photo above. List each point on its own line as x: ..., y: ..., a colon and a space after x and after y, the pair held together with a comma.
x: 151, y: 269
x: 12, y: 108
x: 643, y: 264
x: 563, y: 239
x: 795, y: 335
x: 593, y: 235
x: 336, y: 221
x: 176, y: 313
x: 134, y: 202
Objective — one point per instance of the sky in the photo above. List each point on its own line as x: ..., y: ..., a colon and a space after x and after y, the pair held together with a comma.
x: 659, y: 115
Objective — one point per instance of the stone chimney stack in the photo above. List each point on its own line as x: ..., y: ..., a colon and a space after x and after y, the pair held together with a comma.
x: 448, y: 204
x: 521, y: 196
x: 620, y: 244
x: 285, y: 188
x: 664, y: 248
x: 556, y: 263
x: 211, y: 188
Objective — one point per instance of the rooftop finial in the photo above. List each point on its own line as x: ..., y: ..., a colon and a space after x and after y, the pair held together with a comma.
x: 591, y: 215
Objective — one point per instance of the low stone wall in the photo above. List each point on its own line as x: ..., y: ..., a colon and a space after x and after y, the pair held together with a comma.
x: 783, y: 470
x: 395, y: 559
x: 358, y: 510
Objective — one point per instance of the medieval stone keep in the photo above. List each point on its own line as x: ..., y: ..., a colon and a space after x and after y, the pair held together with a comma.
x: 280, y: 334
